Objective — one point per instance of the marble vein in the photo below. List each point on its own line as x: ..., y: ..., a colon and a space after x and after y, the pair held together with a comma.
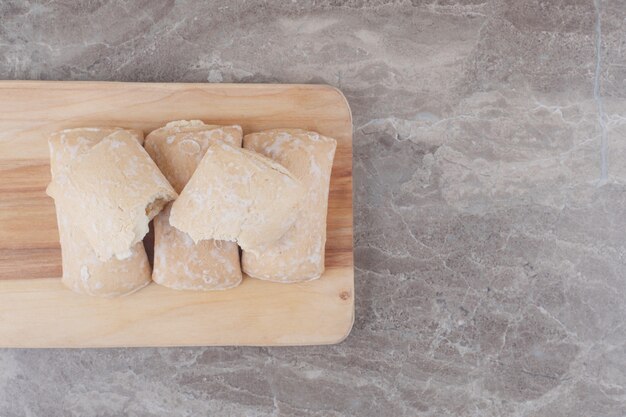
x: 604, y: 169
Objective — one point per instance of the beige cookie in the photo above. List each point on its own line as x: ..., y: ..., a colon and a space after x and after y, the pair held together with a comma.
x: 299, y: 254
x: 179, y: 262
x: 114, y: 190
x: 238, y: 195
x: 83, y: 272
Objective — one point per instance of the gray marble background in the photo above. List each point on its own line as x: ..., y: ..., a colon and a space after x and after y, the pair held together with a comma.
x: 490, y: 204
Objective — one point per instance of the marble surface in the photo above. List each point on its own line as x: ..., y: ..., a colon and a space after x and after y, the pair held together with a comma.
x: 490, y: 204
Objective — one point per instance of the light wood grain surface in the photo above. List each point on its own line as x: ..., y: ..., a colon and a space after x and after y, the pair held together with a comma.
x: 37, y: 311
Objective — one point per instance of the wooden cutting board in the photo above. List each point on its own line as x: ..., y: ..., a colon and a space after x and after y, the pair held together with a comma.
x: 37, y: 311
